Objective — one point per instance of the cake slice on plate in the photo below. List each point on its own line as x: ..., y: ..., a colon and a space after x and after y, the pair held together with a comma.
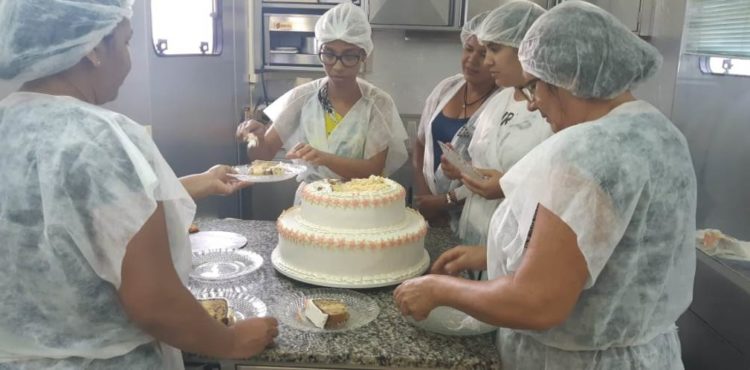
x: 218, y: 308
x: 326, y: 313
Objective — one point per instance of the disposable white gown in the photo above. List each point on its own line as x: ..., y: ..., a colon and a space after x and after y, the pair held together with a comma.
x: 371, y: 126
x: 625, y: 185
x: 79, y: 182
x: 435, y: 103
x: 505, y: 132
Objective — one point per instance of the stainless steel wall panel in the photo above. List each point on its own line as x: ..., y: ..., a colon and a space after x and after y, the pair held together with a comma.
x: 714, y: 114
x: 196, y: 104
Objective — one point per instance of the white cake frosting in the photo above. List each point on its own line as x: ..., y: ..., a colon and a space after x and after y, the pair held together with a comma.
x: 357, y: 234
x: 359, y: 203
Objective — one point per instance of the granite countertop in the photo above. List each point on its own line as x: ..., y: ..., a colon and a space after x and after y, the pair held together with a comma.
x: 387, y: 342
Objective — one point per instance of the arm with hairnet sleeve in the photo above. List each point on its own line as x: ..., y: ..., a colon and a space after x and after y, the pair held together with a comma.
x: 573, y: 208
x: 590, y: 183
x: 285, y: 130
x: 386, y: 134
x: 156, y: 300
x: 285, y: 113
x: 109, y: 195
x: 99, y: 189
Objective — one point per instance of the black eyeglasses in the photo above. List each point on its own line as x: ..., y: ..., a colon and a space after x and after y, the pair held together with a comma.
x: 348, y: 60
x: 529, y: 90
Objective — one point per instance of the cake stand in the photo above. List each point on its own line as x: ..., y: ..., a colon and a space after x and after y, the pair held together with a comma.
x: 359, y: 282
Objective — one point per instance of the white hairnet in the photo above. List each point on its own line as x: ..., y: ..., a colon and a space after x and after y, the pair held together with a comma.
x: 472, y: 26
x: 508, y: 24
x: 42, y: 37
x: 346, y: 22
x: 581, y: 48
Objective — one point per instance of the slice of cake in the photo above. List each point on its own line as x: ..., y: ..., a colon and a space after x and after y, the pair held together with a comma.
x: 326, y: 313
x: 218, y: 308
x: 265, y: 168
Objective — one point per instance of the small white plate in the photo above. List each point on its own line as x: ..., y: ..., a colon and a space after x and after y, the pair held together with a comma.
x: 456, y: 160
x: 224, y: 264
x: 203, y: 240
x: 243, y: 305
x: 450, y: 321
x: 362, y: 309
x: 290, y: 170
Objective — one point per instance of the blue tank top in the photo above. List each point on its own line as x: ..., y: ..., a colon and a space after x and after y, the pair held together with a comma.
x: 444, y: 129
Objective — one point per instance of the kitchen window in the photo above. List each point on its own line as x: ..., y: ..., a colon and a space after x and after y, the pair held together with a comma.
x: 719, y: 31
x: 725, y: 66
x: 186, y: 27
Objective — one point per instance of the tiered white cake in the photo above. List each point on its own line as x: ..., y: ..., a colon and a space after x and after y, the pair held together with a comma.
x: 354, y: 234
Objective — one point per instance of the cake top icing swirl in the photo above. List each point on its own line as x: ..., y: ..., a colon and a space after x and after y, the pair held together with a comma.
x: 374, y: 186
x: 371, y: 184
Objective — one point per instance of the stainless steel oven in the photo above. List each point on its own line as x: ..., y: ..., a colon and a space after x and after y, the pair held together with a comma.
x: 286, y: 31
x: 289, y: 40
x: 356, y: 2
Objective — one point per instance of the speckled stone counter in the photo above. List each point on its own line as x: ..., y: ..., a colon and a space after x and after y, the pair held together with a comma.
x: 389, y: 342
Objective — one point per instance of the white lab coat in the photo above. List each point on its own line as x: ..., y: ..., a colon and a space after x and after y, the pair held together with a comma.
x: 504, y: 133
x: 371, y: 126
x: 435, y: 103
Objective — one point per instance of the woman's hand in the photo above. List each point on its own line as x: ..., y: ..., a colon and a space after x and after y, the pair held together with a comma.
x: 488, y: 187
x: 251, y: 127
x: 460, y: 258
x: 452, y: 172
x: 309, y: 154
x: 432, y: 207
x: 220, y: 181
x: 417, y: 297
x: 252, y: 336
x: 215, y: 181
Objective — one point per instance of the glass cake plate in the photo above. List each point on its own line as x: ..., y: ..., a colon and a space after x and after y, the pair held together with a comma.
x: 224, y: 264
x: 290, y: 170
x: 204, y: 240
x: 243, y: 305
x: 362, y: 309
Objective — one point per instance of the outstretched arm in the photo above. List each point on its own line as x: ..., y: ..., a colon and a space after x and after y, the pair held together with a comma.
x: 155, y: 299
x: 541, y: 294
x: 215, y: 181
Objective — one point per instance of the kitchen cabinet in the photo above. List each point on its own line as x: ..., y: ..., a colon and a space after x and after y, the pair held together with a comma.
x: 415, y: 14
x: 637, y: 15
x: 474, y: 7
x: 714, y: 331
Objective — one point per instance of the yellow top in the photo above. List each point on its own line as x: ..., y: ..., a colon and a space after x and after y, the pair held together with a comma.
x: 332, y: 122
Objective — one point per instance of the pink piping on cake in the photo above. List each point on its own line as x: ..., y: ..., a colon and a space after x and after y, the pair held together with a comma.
x: 332, y: 242
x: 333, y: 202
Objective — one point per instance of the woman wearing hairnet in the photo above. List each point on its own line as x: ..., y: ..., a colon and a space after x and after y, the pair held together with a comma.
x: 341, y: 125
x: 506, y: 130
x: 93, y: 221
x: 592, y: 255
x: 449, y: 116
